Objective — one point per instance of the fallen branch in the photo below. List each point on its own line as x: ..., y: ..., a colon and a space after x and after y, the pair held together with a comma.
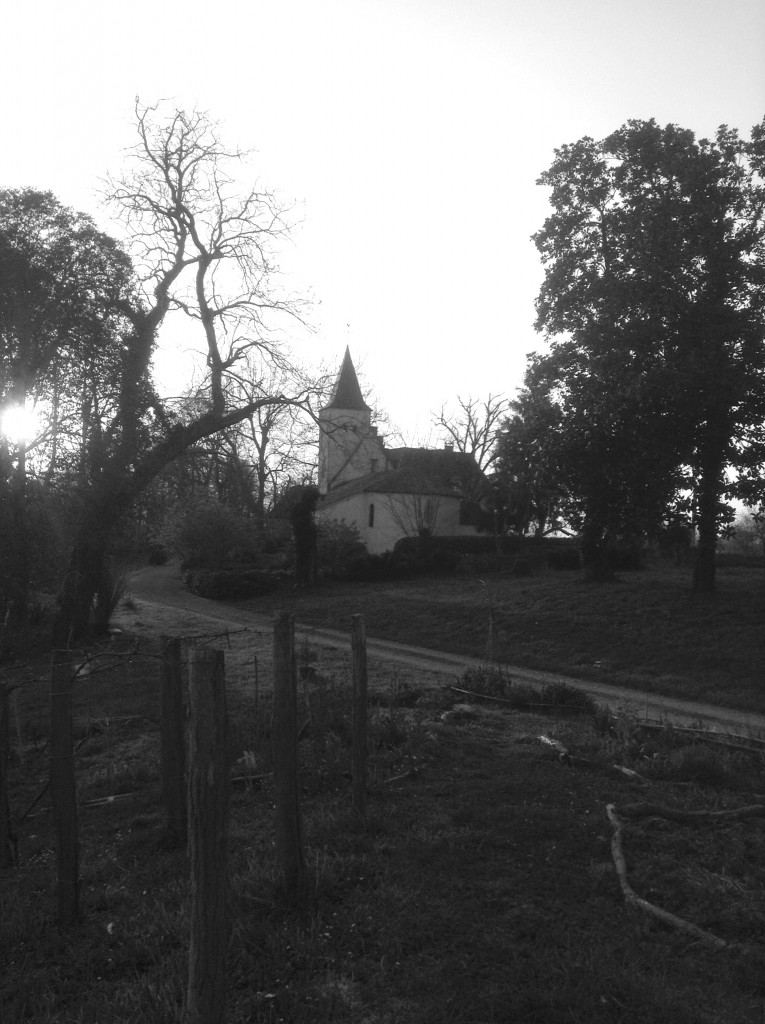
x: 409, y: 774
x: 249, y: 780
x: 629, y: 772
x: 734, y: 741
x: 556, y: 745
x: 678, y: 923
x: 647, y: 810
x: 542, y: 705
x: 582, y: 762
x: 630, y: 896
x: 481, y: 696
x: 103, y: 801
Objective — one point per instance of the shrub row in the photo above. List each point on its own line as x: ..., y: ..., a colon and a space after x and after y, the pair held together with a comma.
x: 413, y: 556
x: 232, y: 584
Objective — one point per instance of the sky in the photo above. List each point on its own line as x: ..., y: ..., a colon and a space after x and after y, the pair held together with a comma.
x: 410, y: 134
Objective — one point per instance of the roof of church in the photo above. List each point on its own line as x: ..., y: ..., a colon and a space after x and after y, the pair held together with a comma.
x: 418, y: 471
x: 347, y: 393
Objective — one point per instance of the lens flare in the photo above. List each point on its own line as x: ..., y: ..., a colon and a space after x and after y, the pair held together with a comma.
x: 19, y: 423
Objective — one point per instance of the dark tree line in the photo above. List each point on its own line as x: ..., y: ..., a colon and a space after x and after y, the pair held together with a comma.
x: 647, y: 406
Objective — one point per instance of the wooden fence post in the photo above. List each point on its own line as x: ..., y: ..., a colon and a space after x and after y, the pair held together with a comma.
x: 63, y: 789
x: 284, y: 732
x: 7, y: 840
x: 257, y: 688
x: 172, y: 749
x: 359, y: 757
x: 208, y: 794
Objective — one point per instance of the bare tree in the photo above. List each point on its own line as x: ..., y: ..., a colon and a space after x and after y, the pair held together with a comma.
x: 473, y: 426
x: 203, y: 248
x: 415, y: 514
x: 279, y: 442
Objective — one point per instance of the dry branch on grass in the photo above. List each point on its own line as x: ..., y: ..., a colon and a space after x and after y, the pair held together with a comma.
x: 582, y: 762
x: 648, y: 810
x: 481, y: 696
x: 631, y: 897
x: 730, y: 740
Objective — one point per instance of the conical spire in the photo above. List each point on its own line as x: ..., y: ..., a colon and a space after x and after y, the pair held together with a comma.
x: 347, y: 393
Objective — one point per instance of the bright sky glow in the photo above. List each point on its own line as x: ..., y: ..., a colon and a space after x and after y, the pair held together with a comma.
x: 19, y: 423
x: 410, y: 131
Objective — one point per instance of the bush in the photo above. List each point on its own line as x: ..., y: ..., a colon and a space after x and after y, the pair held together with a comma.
x: 565, y: 559
x: 626, y: 555
x: 338, y: 546
x: 459, y: 545
x: 209, y: 535
x: 492, y: 681
x: 378, y: 568
x: 231, y: 584
x: 32, y: 546
x: 157, y: 554
x: 413, y: 555
x: 563, y: 697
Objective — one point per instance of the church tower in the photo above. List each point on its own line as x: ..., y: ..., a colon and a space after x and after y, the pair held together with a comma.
x: 349, y: 447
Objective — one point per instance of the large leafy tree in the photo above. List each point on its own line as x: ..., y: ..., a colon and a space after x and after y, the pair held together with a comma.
x: 528, y: 473
x: 61, y: 329
x: 652, y: 304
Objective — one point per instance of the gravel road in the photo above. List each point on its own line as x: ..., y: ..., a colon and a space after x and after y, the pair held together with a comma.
x: 162, y: 586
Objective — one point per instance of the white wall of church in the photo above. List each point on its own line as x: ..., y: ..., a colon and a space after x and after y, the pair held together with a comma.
x: 390, y: 511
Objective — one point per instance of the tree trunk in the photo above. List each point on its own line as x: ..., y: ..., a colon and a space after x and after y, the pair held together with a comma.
x: 208, y: 810
x: 7, y: 838
x: 173, y: 748
x: 63, y: 789
x: 359, y: 763
x: 284, y: 741
x: 596, y: 563
x: 704, y: 564
x: 20, y: 542
x: 85, y: 576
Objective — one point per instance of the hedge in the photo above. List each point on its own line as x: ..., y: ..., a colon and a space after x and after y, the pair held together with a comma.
x: 232, y: 584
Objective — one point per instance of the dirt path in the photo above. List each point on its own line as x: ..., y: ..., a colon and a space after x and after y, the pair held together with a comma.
x: 162, y: 601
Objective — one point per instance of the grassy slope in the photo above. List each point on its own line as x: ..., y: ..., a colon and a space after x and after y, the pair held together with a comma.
x: 480, y: 890
x: 646, y: 631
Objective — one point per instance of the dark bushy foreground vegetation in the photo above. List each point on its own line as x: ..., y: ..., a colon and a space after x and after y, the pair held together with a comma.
x: 480, y: 889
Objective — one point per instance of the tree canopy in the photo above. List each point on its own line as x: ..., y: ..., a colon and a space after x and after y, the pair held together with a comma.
x: 653, y: 308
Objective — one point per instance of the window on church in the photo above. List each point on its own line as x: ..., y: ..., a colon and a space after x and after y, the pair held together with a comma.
x: 371, y: 515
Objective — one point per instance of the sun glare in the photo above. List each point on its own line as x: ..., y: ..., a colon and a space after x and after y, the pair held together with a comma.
x: 19, y: 423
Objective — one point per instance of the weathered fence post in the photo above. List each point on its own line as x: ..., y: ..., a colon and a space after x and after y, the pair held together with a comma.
x: 63, y: 788
x: 7, y: 841
x: 257, y: 688
x: 359, y: 757
x: 172, y: 749
x: 208, y: 794
x: 284, y: 733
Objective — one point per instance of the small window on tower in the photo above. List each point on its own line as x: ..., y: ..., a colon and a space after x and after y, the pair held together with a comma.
x: 371, y: 515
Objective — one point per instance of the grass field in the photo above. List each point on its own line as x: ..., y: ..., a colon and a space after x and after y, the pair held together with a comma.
x: 481, y: 888
x: 647, y: 631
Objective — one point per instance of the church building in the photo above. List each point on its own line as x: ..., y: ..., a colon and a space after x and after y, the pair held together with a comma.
x: 390, y: 493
